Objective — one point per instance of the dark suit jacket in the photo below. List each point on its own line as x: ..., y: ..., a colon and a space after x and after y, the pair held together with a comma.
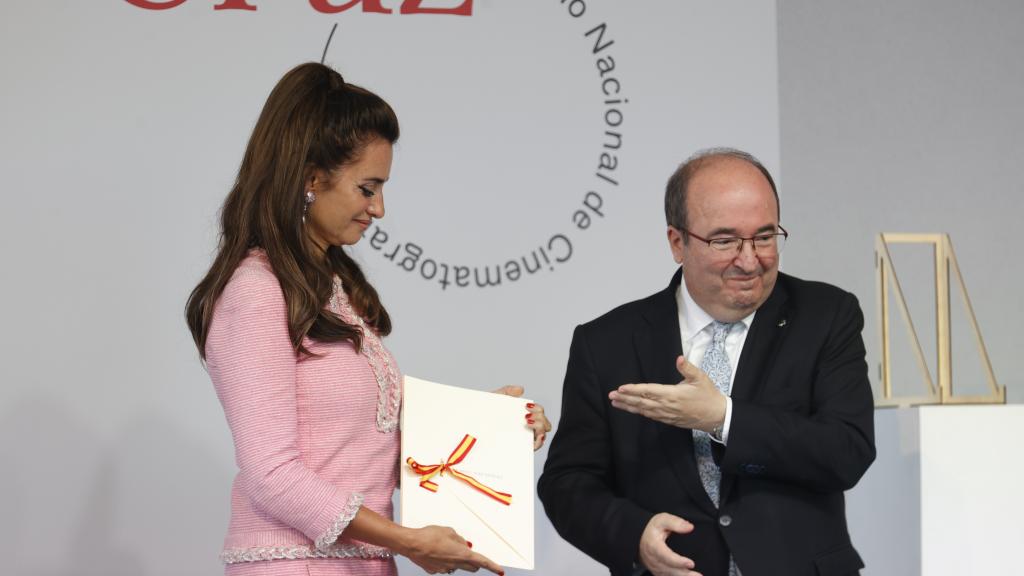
x: 801, y: 433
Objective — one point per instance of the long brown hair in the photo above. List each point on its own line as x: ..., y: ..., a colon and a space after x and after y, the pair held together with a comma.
x: 312, y: 120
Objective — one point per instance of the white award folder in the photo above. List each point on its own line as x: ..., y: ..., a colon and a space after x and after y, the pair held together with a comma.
x: 467, y: 463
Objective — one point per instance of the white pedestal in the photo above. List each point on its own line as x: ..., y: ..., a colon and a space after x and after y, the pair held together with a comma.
x: 946, y: 493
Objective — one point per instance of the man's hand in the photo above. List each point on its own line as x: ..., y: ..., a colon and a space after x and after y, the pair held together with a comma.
x: 655, y: 554
x: 693, y: 403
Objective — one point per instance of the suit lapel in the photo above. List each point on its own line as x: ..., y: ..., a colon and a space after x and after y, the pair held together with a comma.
x: 657, y: 346
x: 657, y: 343
x: 760, y: 350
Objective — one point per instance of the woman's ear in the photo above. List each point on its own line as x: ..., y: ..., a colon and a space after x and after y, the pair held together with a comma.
x: 314, y: 178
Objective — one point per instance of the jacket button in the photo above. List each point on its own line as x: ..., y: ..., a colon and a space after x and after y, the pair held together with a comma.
x: 725, y: 520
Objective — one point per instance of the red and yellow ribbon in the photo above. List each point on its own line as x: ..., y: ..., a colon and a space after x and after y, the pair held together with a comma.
x: 457, y: 455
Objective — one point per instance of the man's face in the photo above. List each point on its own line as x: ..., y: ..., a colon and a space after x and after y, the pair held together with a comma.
x: 727, y: 197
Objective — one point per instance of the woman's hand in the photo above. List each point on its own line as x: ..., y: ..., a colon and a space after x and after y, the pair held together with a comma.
x: 439, y: 550
x: 538, y: 422
x: 436, y: 549
x: 535, y: 418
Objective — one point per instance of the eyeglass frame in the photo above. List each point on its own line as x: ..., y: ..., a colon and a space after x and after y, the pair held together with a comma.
x: 782, y: 232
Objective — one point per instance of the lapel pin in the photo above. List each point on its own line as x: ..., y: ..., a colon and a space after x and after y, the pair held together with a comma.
x: 782, y: 323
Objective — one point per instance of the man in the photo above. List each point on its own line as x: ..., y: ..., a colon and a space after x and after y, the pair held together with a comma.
x: 740, y: 467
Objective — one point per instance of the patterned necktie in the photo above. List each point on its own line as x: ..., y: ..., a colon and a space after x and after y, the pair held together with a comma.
x: 716, y: 365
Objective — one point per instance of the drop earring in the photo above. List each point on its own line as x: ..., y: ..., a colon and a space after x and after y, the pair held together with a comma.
x: 310, y: 198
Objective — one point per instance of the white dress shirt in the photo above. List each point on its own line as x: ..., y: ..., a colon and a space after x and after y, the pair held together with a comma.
x: 695, y: 332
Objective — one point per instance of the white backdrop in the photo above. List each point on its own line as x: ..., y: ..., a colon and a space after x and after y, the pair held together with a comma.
x: 122, y: 129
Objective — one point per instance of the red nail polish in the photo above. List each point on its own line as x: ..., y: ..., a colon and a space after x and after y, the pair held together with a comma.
x: 528, y: 415
x: 530, y: 404
x: 529, y: 420
x: 468, y: 543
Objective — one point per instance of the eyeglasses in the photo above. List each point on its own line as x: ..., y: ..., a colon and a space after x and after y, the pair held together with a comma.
x: 765, y: 244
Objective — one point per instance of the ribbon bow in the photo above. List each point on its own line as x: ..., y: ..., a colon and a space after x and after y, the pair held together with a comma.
x: 457, y: 455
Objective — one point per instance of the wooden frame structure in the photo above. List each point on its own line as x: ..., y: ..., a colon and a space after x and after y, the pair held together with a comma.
x: 945, y: 267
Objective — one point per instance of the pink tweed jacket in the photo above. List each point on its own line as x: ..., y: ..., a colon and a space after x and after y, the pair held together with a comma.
x: 315, y: 437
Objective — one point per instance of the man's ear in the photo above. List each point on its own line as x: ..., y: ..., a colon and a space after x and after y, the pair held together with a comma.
x: 675, y: 242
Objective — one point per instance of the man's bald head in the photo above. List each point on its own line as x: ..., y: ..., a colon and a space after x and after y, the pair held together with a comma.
x: 678, y: 184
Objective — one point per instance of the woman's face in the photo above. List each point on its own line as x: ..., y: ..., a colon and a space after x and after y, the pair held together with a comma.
x: 348, y: 200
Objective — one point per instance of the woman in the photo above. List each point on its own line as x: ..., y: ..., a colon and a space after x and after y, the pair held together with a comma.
x: 290, y: 331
